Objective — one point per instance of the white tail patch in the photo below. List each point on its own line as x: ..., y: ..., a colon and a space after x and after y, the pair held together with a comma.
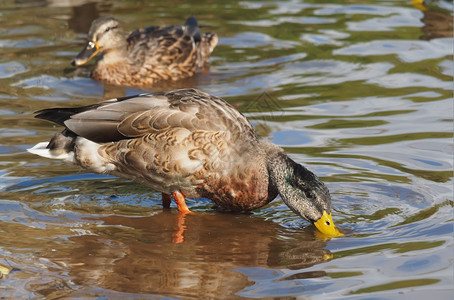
x: 42, y: 150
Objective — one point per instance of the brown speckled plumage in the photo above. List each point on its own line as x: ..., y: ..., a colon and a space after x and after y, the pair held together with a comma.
x: 147, y: 55
x: 184, y: 142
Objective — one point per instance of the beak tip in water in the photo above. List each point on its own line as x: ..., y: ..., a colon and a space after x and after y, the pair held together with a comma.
x: 326, y: 226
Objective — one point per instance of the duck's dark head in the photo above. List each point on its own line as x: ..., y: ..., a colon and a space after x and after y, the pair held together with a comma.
x: 105, y: 34
x: 303, y: 192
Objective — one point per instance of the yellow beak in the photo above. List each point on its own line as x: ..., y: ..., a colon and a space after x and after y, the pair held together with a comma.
x: 419, y: 4
x: 326, y: 226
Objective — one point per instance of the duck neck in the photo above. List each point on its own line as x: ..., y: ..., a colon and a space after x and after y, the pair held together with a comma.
x: 112, y: 56
x: 281, y: 172
x: 296, y: 185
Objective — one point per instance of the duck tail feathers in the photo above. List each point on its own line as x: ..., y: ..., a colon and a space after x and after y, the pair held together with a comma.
x: 42, y: 149
x: 191, y: 22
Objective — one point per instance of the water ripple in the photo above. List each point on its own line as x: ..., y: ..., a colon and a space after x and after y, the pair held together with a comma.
x: 407, y: 51
x: 360, y: 93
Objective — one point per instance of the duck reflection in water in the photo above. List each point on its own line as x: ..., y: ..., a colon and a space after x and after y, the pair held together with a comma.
x: 438, y: 22
x: 138, y: 255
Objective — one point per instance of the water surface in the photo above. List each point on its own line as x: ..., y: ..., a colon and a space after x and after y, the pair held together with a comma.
x: 360, y: 92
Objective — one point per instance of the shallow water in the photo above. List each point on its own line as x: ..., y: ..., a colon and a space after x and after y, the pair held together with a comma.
x: 359, y: 91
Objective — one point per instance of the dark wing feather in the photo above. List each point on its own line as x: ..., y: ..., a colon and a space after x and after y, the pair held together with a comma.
x: 60, y: 115
x: 105, y: 128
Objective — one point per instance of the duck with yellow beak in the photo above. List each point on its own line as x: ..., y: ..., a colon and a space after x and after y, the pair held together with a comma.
x: 187, y: 144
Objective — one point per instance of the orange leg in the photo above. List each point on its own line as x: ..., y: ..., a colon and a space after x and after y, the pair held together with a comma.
x: 181, y: 203
x: 166, y: 200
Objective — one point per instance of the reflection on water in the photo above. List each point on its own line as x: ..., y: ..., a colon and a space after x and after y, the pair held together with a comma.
x: 360, y: 92
x: 130, y: 254
x: 201, y: 266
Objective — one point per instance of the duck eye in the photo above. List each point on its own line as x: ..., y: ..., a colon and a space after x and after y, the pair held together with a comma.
x: 309, y: 194
x: 110, y: 28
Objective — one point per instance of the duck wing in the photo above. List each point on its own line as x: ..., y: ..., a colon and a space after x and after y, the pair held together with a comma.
x: 154, y: 113
x: 190, y: 29
x: 163, y: 46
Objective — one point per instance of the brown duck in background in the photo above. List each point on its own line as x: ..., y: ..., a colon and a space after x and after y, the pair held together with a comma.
x: 146, y: 55
x: 186, y: 143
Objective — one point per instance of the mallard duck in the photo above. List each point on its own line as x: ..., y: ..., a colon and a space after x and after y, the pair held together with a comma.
x: 146, y: 55
x: 186, y: 143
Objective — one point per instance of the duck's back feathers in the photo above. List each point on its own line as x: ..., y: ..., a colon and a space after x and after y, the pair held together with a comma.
x: 172, y: 45
x: 189, y: 29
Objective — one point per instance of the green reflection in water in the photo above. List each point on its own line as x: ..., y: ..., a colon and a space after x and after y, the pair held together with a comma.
x: 365, y: 176
x: 343, y: 274
x: 380, y: 140
x: 278, y: 116
x: 397, y: 285
x: 423, y: 69
x: 378, y: 215
x: 437, y: 176
x: 396, y: 247
x: 348, y: 124
x: 425, y: 213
